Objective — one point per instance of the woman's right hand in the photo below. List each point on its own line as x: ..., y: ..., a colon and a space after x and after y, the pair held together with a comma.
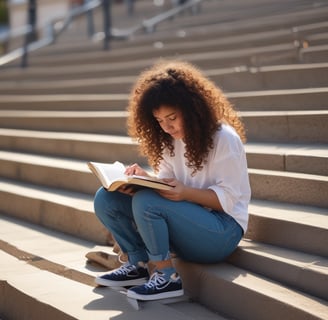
x: 135, y: 169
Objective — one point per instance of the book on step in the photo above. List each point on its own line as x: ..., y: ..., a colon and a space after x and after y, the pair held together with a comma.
x: 112, y: 177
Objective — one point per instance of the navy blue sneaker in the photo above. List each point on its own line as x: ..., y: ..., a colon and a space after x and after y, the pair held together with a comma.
x: 126, y: 275
x: 157, y: 288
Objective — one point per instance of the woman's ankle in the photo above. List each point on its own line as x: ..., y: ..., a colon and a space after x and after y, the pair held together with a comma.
x: 164, y: 266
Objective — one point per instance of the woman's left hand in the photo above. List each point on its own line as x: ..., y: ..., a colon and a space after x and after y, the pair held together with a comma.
x: 175, y: 194
x: 180, y: 192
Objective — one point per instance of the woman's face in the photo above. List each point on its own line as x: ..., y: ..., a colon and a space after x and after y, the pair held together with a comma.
x: 170, y: 120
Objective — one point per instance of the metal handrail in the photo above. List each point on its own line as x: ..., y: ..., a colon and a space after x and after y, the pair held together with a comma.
x: 150, y: 24
x: 52, y: 30
x: 59, y: 24
x: 14, y: 33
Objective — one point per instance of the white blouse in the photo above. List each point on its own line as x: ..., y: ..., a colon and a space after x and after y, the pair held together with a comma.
x: 225, y: 172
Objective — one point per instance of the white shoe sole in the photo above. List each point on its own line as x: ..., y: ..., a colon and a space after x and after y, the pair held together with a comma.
x: 111, y: 283
x: 170, y: 294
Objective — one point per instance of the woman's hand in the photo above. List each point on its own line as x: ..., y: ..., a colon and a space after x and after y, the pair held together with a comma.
x: 175, y: 194
x: 135, y: 169
x: 204, y: 197
x: 131, y: 170
x: 128, y: 189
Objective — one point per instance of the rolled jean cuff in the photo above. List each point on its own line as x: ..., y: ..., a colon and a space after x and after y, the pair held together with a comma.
x: 137, y: 256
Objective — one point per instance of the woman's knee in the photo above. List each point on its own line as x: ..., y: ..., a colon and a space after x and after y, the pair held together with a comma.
x: 143, y: 200
x: 104, y: 200
x: 99, y: 201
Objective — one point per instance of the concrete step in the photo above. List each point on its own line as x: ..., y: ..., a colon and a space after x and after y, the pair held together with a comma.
x: 280, y: 185
x: 240, y: 78
x: 294, y: 76
x: 303, y: 271
x: 231, y: 284
x: 317, y: 39
x: 314, y: 54
x: 269, y: 126
x: 73, y: 102
x: 72, y: 212
x: 205, y: 34
x: 289, y: 99
x: 246, y: 17
x: 157, y: 49
x: 260, y: 100
x: 264, y: 22
x: 41, y: 292
x: 65, y: 211
x: 63, y: 251
x: 286, y: 126
x: 60, y: 173
x: 290, y: 187
x: 71, y: 145
x: 74, y: 175
x: 296, y: 227
x: 168, y: 48
x: 299, y: 28
x: 302, y: 158
x: 257, y: 56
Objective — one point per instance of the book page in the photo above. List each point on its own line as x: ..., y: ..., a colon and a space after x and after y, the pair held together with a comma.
x: 111, y: 171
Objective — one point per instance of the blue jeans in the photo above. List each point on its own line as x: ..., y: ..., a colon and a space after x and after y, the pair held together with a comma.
x: 149, y: 227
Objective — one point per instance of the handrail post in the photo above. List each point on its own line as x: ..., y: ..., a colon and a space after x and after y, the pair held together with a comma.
x: 130, y: 7
x: 90, y: 22
x: 107, y: 22
x: 31, y: 34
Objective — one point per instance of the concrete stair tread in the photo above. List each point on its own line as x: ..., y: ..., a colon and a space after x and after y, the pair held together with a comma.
x: 140, y: 64
x: 237, y: 276
x: 113, y: 96
x: 67, y: 198
x: 283, y: 150
x: 307, y: 215
x: 167, y: 47
x: 63, y: 250
x: 284, y: 211
x: 296, y: 216
x: 303, y: 158
x: 71, y: 144
x: 63, y: 97
x: 300, y: 259
x: 73, y: 174
x: 290, y: 187
x: 271, y: 61
x: 273, y: 290
x: 278, y: 92
x: 217, y: 26
x: 69, y: 250
x: 70, y: 114
x: 105, y: 101
x: 101, y: 138
x: 233, y: 79
x: 297, y: 227
x: 295, y: 175
x: 288, y: 148
x: 72, y: 300
x: 303, y: 271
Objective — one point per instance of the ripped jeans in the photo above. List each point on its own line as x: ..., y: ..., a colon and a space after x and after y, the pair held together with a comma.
x: 149, y: 227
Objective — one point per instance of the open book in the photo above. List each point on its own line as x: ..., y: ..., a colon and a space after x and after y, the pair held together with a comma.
x: 111, y: 176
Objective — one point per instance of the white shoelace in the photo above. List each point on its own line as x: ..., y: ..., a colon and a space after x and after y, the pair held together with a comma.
x: 124, y: 269
x: 155, y: 280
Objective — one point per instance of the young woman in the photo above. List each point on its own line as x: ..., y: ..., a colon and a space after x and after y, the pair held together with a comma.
x: 193, y: 139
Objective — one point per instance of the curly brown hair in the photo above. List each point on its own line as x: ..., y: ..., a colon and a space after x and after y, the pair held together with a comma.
x: 202, y: 104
